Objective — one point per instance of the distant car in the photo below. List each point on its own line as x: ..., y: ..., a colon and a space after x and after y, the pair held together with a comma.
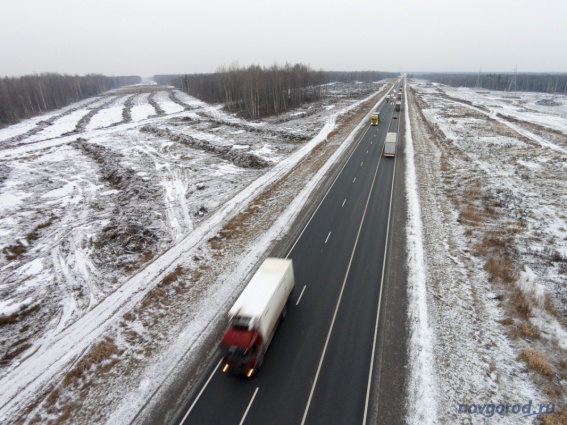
x: 395, y: 117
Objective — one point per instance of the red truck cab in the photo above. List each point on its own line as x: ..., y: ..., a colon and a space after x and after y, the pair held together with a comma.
x: 241, y: 350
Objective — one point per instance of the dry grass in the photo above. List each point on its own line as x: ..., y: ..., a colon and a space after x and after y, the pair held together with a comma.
x: 101, y: 352
x: 471, y: 215
x: 526, y: 330
x: 52, y: 397
x: 173, y: 276
x: 507, y: 321
x: 557, y: 418
x: 500, y: 268
x: 549, y: 305
x: 129, y: 316
x: 100, y: 359
x: 536, y: 361
x: 520, y: 304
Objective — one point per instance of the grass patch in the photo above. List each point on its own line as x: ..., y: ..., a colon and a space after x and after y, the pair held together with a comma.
x: 173, y: 276
x: 470, y: 214
x: 19, y: 315
x: 520, y: 304
x: 507, y: 321
x: 558, y: 418
x: 536, y: 361
x: 500, y: 268
x: 526, y: 330
x: 8, y: 320
x: 52, y: 397
x: 99, y: 353
x: 14, y: 252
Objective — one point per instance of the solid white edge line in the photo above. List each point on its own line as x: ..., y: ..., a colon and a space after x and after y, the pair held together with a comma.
x: 249, y: 405
x: 201, y: 392
x: 328, y: 236
x: 300, y: 295
x: 340, y: 296
x: 380, y: 296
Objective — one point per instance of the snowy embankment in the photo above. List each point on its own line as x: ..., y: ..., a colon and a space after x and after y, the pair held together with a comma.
x: 422, y: 386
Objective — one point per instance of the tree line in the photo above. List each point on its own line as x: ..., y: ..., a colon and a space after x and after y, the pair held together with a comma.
x: 255, y: 91
x: 357, y: 76
x: 544, y: 83
x: 31, y: 95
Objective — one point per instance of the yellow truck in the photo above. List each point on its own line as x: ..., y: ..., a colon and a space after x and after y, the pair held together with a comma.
x: 375, y: 119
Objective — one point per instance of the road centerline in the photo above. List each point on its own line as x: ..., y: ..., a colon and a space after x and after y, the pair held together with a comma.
x: 249, y: 405
x: 340, y: 296
x: 300, y: 295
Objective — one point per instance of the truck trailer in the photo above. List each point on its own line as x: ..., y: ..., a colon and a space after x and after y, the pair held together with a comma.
x: 398, y: 106
x: 390, y: 144
x: 254, y: 317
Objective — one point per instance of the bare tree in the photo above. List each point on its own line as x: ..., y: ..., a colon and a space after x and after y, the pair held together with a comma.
x: 30, y: 95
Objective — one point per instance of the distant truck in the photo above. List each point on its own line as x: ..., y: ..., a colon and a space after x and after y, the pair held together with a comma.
x: 375, y: 118
x: 254, y: 317
x: 390, y: 144
x: 398, y: 106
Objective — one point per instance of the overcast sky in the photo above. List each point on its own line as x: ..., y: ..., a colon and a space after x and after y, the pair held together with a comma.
x: 143, y: 37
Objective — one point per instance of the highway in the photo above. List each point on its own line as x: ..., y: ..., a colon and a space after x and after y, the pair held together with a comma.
x: 319, y: 366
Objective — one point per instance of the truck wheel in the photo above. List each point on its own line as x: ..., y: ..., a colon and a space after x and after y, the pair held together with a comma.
x: 284, y: 312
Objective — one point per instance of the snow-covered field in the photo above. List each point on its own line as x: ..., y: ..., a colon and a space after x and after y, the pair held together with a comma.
x: 489, y: 256
x: 129, y: 222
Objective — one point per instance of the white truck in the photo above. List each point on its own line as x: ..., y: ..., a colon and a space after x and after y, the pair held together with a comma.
x: 390, y: 144
x: 254, y: 317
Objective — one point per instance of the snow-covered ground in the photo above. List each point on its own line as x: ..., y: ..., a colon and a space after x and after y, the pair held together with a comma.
x: 488, y: 295
x: 129, y: 222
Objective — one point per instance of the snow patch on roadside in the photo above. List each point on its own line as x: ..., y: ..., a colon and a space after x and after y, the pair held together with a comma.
x: 422, y: 391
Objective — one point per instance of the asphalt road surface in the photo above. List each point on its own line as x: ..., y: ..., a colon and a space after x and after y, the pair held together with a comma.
x: 321, y: 365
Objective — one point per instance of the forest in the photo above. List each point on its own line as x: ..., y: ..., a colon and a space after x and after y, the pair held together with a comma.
x: 544, y: 83
x: 255, y: 92
x: 31, y: 95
